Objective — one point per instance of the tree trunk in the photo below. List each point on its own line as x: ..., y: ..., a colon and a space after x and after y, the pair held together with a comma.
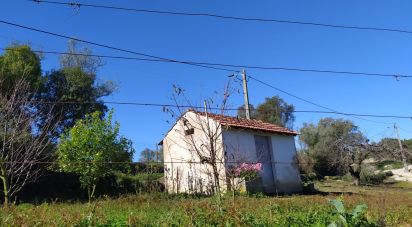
x: 355, y: 172
x: 5, y: 182
x: 356, y: 181
x: 90, y: 192
x: 216, y: 176
x: 5, y: 191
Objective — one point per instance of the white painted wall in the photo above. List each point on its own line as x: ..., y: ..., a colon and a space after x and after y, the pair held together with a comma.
x: 183, y: 170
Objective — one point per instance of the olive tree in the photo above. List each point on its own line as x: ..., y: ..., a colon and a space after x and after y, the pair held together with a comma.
x: 331, y: 144
x: 93, y: 149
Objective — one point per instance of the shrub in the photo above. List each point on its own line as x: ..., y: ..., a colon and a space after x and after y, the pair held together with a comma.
x: 347, y: 177
x: 368, y: 175
x: 305, y: 162
x: 345, y: 218
x: 308, y: 178
x: 139, y: 183
x: 247, y: 171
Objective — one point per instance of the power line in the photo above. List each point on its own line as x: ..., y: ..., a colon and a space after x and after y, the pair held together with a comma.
x: 162, y: 58
x: 290, y: 94
x: 407, y: 131
x: 225, y: 17
x: 237, y: 66
x: 313, y: 103
x: 331, y: 111
x: 216, y: 108
x: 108, y: 46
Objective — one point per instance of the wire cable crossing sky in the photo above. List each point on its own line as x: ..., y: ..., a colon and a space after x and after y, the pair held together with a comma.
x: 327, y: 59
x: 216, y: 108
x: 210, y: 15
x: 238, y: 67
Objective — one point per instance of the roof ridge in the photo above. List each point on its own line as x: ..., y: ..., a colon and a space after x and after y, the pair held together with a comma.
x: 236, y: 121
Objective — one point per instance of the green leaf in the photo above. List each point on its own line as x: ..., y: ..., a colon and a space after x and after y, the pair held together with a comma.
x: 359, y: 210
x: 338, y: 204
x: 333, y: 224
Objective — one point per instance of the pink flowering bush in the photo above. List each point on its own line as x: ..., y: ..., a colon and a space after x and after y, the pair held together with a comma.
x: 247, y: 171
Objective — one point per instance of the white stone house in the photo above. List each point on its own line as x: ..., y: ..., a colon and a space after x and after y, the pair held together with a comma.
x: 188, y: 147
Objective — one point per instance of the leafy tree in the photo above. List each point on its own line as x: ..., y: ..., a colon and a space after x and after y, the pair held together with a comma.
x: 75, y: 88
x: 93, y: 149
x: 407, y: 143
x: 19, y: 63
x: 81, y: 58
x: 392, y: 151
x: 334, y: 144
x: 274, y: 110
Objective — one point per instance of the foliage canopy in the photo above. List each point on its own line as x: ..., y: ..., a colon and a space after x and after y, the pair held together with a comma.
x: 93, y: 149
x: 273, y: 110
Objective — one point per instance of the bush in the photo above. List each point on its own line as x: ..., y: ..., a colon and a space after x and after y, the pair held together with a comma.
x: 369, y: 177
x: 52, y: 186
x: 139, y: 183
x: 356, y: 217
x: 308, y: 178
x: 59, y: 186
x: 305, y: 162
x: 347, y: 177
x: 149, y: 167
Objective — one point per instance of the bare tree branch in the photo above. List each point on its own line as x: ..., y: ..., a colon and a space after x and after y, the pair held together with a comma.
x: 23, y: 143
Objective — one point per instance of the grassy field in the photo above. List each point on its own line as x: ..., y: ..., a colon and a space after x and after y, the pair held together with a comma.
x: 390, y: 206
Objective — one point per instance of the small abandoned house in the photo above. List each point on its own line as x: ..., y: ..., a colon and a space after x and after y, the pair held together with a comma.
x: 202, y: 149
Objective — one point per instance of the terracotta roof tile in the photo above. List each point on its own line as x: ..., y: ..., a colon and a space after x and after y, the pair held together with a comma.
x: 249, y: 124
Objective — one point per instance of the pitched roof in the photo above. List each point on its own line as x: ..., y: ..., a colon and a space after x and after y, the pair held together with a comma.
x: 237, y: 122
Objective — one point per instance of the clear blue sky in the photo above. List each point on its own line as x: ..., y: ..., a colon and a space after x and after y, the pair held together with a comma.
x: 214, y: 40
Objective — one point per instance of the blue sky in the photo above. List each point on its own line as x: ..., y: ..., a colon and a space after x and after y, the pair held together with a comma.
x: 235, y: 42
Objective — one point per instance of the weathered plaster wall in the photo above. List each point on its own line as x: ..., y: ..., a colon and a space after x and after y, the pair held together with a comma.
x: 240, y: 146
x: 183, y: 170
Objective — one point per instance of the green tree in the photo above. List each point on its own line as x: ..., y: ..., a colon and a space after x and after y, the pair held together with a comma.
x: 148, y: 155
x: 19, y: 63
x: 392, y: 151
x: 75, y: 87
x: 274, y: 110
x: 93, y: 149
x: 80, y: 57
x: 407, y: 143
x: 334, y: 144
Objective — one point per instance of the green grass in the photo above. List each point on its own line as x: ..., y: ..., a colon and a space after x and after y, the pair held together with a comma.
x: 388, y: 165
x: 390, y: 208
x: 389, y: 205
x: 403, y: 184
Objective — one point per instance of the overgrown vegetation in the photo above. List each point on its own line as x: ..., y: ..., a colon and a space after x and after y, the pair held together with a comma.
x: 93, y: 149
x: 161, y: 209
x: 92, y: 154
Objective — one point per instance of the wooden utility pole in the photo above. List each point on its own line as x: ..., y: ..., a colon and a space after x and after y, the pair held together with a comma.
x: 205, y: 106
x: 246, y: 94
x: 157, y: 152
x: 405, y: 165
